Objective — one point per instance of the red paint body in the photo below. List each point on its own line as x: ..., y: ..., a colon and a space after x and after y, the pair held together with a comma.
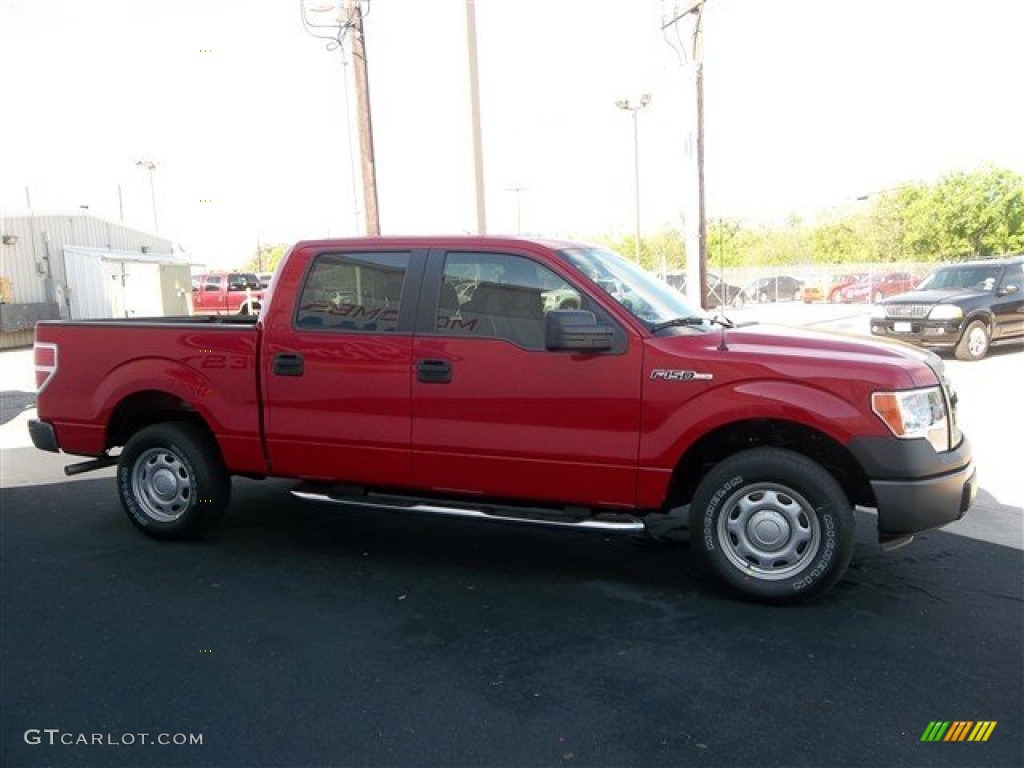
x: 558, y: 427
x: 226, y: 293
x: 874, y: 287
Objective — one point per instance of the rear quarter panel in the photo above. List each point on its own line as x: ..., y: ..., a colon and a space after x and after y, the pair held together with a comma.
x: 211, y: 368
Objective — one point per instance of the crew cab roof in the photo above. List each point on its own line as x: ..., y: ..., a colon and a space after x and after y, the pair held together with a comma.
x: 424, y: 241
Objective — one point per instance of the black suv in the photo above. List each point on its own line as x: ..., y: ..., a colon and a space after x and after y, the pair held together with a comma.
x: 964, y: 307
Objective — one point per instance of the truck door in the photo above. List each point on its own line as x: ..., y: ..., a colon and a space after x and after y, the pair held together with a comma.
x: 336, y: 368
x: 210, y: 295
x: 497, y: 415
x: 1008, y: 306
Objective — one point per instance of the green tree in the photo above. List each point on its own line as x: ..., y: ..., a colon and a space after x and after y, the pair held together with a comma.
x: 963, y: 215
x: 267, y: 258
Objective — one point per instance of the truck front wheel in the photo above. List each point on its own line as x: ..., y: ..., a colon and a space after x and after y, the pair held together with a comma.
x: 172, y: 482
x: 773, y: 524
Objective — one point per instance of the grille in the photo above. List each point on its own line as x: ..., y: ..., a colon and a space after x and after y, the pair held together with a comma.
x: 911, y: 311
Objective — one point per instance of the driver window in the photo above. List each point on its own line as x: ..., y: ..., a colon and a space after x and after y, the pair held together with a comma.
x: 501, y: 296
x: 1014, y: 276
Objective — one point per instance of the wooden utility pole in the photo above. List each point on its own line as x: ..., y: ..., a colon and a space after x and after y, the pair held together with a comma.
x: 702, y: 219
x: 355, y: 23
x: 696, y: 264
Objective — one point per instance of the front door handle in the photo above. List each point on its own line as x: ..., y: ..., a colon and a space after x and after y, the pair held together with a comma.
x: 434, y: 371
x: 287, y: 364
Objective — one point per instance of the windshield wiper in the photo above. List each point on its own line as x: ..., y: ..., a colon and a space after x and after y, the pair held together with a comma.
x: 675, y: 322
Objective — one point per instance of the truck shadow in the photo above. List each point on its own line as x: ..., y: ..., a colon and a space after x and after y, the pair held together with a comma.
x: 267, y: 527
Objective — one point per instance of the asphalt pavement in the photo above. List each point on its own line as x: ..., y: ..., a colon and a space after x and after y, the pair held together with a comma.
x: 297, y: 634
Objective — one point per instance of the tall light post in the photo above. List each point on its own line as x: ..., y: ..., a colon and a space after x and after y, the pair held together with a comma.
x: 519, y: 208
x: 634, y: 108
x: 149, y: 165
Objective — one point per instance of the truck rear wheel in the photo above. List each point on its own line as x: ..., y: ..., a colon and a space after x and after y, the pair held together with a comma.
x: 773, y: 524
x: 172, y: 482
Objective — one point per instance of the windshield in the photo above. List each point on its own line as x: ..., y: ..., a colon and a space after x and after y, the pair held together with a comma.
x: 646, y: 297
x: 243, y: 280
x: 979, y: 278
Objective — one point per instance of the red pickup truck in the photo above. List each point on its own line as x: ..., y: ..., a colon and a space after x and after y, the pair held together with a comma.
x: 227, y: 293
x: 444, y: 376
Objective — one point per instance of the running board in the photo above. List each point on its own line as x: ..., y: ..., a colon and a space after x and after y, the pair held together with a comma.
x: 617, y: 523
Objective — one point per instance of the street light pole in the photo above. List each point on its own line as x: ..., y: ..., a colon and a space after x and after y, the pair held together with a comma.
x: 519, y: 209
x: 474, y: 109
x: 635, y: 108
x: 149, y: 165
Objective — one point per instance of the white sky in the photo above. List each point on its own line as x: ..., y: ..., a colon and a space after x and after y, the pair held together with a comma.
x: 809, y: 104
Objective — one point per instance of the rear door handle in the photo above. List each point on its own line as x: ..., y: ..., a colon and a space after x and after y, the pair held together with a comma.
x: 287, y: 364
x: 434, y: 371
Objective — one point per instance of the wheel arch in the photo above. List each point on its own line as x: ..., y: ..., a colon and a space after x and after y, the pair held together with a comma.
x: 984, y: 314
x: 147, y: 407
x: 733, y: 437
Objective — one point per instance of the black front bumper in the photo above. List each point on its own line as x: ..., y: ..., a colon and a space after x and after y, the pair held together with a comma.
x: 917, y: 489
x: 941, y: 334
x: 43, y: 436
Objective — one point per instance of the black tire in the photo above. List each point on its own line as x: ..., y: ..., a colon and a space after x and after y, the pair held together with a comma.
x: 974, y: 342
x: 784, y: 495
x: 172, y: 482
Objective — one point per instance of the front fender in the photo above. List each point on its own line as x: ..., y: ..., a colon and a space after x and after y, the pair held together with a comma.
x: 670, y: 432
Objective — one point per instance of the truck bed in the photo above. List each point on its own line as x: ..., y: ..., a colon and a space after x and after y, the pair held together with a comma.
x: 115, y: 368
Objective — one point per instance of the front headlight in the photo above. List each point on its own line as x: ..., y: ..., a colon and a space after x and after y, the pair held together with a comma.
x: 877, y: 312
x: 945, y: 312
x: 914, y: 413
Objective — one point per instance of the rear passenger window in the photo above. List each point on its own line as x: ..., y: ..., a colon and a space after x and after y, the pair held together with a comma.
x: 353, y: 292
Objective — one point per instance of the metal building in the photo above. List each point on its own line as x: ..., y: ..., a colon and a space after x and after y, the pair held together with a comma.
x: 78, y: 266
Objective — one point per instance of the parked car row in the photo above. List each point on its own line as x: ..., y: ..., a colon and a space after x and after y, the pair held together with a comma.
x: 963, y: 308
x: 720, y: 293
x: 775, y: 288
x: 875, y: 287
x: 828, y: 287
x: 763, y: 290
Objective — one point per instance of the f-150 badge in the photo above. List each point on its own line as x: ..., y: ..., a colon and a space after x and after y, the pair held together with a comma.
x: 665, y: 374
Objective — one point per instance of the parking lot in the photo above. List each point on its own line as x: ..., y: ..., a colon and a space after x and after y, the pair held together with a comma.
x: 301, y: 635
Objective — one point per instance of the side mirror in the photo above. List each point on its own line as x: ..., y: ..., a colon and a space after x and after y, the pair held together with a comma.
x: 576, y: 330
x: 1010, y: 289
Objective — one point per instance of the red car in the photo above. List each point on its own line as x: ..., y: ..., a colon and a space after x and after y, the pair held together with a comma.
x: 227, y: 293
x: 874, y: 288
x: 432, y: 375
